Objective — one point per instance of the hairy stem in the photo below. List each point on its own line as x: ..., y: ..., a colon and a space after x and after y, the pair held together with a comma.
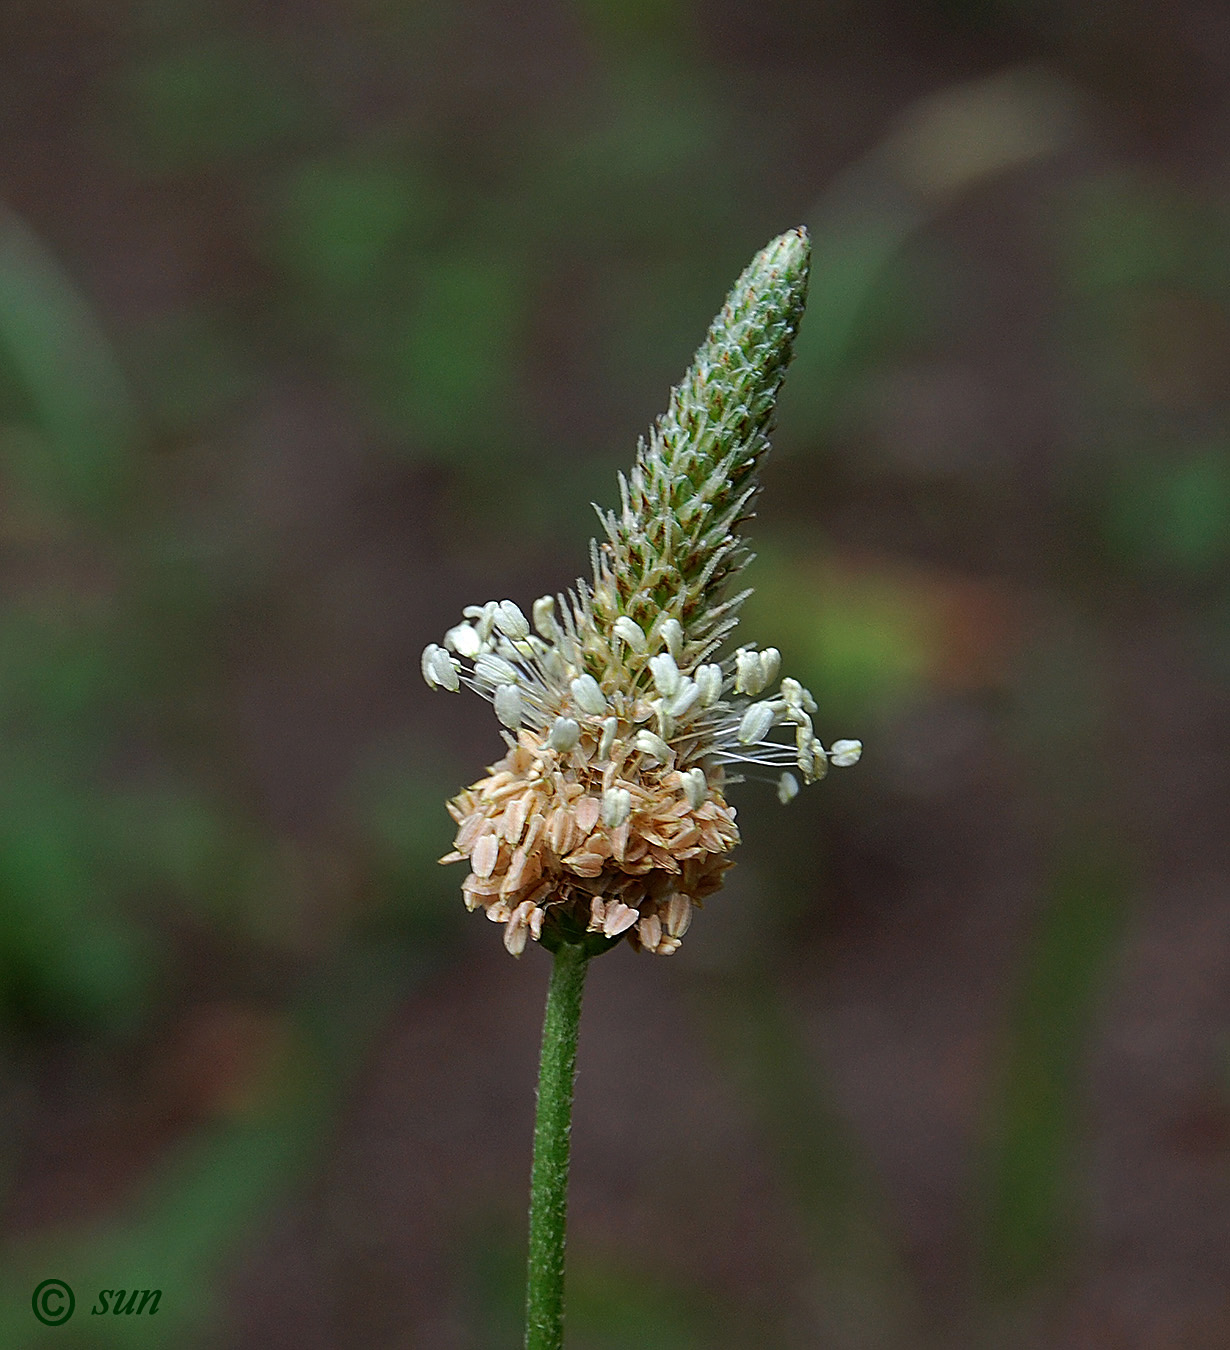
x: 544, y: 1296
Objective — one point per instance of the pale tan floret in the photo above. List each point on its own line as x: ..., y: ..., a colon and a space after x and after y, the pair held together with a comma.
x: 534, y: 835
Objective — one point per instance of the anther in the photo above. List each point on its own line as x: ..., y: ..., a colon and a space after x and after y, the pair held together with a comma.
x: 616, y: 807
x: 756, y: 722
x: 510, y: 621
x: 845, y: 753
x: 565, y: 733
x: 631, y: 632
x: 508, y: 705
x: 588, y: 695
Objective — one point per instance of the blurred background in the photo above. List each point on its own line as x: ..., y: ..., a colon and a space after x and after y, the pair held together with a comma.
x: 318, y: 322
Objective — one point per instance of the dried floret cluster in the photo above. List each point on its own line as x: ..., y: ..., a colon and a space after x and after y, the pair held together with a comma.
x: 607, y: 816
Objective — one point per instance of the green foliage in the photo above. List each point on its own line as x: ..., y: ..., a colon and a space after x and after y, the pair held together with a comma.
x: 211, y: 103
x: 347, y: 225
x: 447, y: 373
x: 1170, y: 514
x: 1031, y: 1200
x: 62, y: 383
x: 863, y: 644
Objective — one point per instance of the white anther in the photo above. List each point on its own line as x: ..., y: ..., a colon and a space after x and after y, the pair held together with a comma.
x: 544, y: 617
x: 508, y: 705
x: 631, y: 632
x: 483, y: 616
x: 709, y: 682
x: 787, y: 788
x: 666, y: 723
x: 494, y: 670
x: 565, y: 733
x: 606, y: 742
x: 440, y: 669
x: 665, y: 673
x: 845, y: 753
x: 811, y: 758
x: 672, y: 637
x: 511, y: 622
x: 616, y: 806
x: 695, y: 787
x: 792, y: 692
x: 685, y: 699
x: 588, y: 695
x: 756, y: 722
x: 649, y: 744
x: 770, y: 664
x: 464, y: 640
x: 747, y: 672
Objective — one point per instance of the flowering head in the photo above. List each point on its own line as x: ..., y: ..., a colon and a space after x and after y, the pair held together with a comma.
x: 607, y: 816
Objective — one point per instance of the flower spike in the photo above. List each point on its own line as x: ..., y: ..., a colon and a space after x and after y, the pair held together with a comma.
x: 607, y: 818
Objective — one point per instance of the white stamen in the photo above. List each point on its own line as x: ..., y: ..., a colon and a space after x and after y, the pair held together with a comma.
x: 588, y: 695
x: 565, y: 733
x: 511, y: 622
x: 665, y: 673
x: 672, y: 636
x: 606, y: 742
x: 464, y: 640
x: 787, y: 788
x: 649, y: 744
x: 544, y: 617
x: 508, y: 705
x: 440, y: 669
x: 845, y: 753
x: 709, y: 682
x: 770, y: 664
x: 631, y: 633
x: 494, y: 670
x: 755, y: 724
x: 616, y: 807
x: 685, y: 699
x: 695, y: 787
x: 747, y: 673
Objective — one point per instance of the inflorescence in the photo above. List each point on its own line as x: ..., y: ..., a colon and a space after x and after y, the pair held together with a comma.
x: 607, y: 816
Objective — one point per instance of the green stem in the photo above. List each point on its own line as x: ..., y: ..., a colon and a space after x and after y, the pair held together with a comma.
x: 544, y: 1294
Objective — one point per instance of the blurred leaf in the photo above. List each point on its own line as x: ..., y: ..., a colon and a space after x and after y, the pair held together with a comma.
x: 1121, y: 233
x: 398, y: 809
x: 212, y: 103
x: 67, y: 372
x: 65, y: 958
x: 447, y: 378
x: 861, y: 640
x: 62, y: 671
x: 865, y: 1298
x: 190, y: 370
x: 343, y: 222
x: 184, y: 1228
x: 1030, y: 1201
x: 1173, y: 513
